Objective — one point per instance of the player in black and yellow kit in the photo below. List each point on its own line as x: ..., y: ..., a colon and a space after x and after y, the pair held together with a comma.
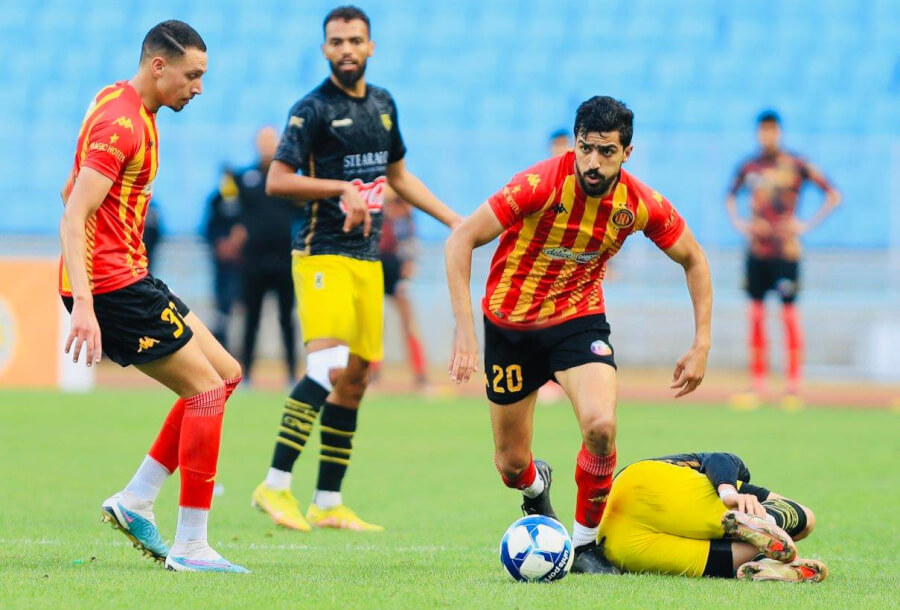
x: 696, y: 514
x: 345, y: 140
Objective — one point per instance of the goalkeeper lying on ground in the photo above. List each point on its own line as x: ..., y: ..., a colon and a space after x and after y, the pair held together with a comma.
x: 696, y: 514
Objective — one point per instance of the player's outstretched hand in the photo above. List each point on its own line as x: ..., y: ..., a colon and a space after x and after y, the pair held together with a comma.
x: 85, y: 331
x: 745, y: 503
x: 357, y: 210
x: 689, y: 371
x: 464, y: 359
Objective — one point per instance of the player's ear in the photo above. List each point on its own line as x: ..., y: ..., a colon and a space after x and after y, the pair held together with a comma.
x: 627, y: 152
x: 371, y: 48
x: 158, y: 65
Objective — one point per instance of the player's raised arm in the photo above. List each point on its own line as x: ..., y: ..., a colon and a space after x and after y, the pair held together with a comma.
x: 691, y: 367
x: 87, y: 193
x: 473, y: 232
x: 414, y: 191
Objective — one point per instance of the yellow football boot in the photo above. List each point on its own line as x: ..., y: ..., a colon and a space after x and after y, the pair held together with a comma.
x: 791, y: 403
x: 339, y: 517
x: 281, y: 506
x: 745, y: 401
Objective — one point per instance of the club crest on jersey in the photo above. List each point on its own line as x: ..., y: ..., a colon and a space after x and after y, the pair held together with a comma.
x: 623, y: 218
x: 601, y: 348
x: 386, y: 121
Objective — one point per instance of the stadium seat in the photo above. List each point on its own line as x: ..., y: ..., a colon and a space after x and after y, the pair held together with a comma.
x: 471, y: 79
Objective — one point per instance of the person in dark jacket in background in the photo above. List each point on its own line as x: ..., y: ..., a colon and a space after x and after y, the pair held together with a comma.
x: 268, y: 222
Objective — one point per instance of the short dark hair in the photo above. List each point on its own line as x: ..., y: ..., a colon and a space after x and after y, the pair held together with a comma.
x: 347, y: 13
x: 604, y: 114
x: 171, y: 38
x: 768, y: 116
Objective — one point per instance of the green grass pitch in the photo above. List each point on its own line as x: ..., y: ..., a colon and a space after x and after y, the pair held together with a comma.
x: 423, y: 468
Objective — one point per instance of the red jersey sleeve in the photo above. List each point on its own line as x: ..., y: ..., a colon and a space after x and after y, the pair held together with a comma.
x: 664, y: 224
x: 111, y: 143
x: 528, y: 192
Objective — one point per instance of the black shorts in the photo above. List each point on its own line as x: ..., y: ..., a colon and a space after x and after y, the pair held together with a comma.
x: 140, y: 323
x: 518, y: 362
x: 778, y: 274
x: 392, y: 267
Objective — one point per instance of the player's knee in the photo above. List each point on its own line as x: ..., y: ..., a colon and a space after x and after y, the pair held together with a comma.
x: 810, y: 524
x: 231, y: 370
x: 325, y: 366
x: 511, y: 465
x: 599, y: 431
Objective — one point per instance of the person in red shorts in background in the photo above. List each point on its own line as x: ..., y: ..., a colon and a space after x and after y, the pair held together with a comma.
x: 559, y: 222
x: 774, y: 178
x: 398, y: 248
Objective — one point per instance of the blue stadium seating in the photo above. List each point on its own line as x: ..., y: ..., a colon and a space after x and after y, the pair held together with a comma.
x: 480, y: 85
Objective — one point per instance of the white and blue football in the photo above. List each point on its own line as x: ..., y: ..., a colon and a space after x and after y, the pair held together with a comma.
x: 536, y: 549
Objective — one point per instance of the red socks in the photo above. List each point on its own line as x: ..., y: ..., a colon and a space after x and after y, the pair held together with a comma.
x: 198, y: 448
x: 416, y: 356
x: 165, y: 448
x: 758, y: 345
x: 794, y: 344
x: 523, y: 480
x: 593, y: 475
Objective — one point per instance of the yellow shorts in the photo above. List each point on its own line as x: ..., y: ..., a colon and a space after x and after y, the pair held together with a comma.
x: 341, y: 298
x: 660, y: 519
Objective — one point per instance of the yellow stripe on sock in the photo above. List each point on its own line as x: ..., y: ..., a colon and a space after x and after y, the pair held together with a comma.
x: 292, y: 444
x: 301, y: 410
x: 294, y: 433
x: 326, y: 458
x: 336, y: 432
x: 336, y: 449
x: 292, y: 422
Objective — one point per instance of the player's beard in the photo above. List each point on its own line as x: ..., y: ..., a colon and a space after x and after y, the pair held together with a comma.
x: 348, y: 79
x: 595, y: 190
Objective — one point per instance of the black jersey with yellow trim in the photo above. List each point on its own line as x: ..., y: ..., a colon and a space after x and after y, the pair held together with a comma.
x: 719, y: 468
x: 331, y: 135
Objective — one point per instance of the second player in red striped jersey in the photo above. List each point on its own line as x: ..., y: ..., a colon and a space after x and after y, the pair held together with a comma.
x: 544, y: 317
x: 552, y: 254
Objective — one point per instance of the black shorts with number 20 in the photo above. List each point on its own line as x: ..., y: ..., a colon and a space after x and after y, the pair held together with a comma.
x: 140, y: 323
x: 518, y: 362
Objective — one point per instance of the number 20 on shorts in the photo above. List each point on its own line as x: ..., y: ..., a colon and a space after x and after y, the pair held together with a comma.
x: 507, y: 379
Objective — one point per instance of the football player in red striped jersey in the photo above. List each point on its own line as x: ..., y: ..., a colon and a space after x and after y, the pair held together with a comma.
x: 544, y: 316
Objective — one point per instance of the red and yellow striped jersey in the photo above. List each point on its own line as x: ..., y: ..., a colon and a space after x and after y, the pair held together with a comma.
x: 552, y: 256
x: 118, y: 138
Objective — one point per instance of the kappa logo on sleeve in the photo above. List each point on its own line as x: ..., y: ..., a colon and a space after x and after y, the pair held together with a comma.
x: 124, y: 121
x: 296, y: 121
